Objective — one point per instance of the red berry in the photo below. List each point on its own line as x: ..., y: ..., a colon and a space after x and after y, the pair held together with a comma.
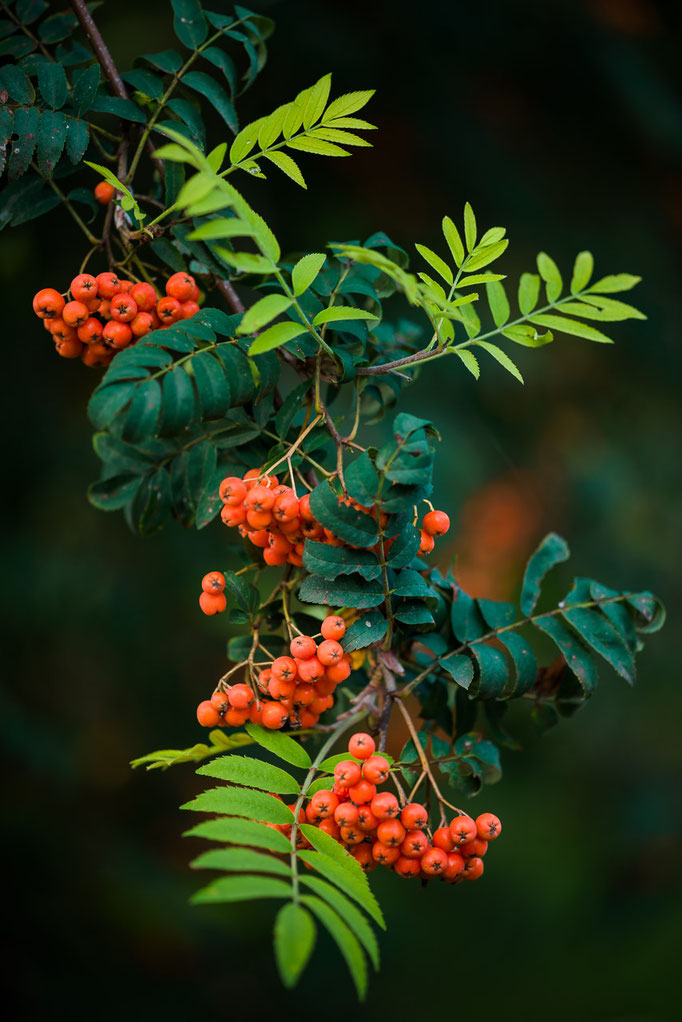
x: 284, y: 667
x: 347, y: 773
x: 376, y: 769
x: 385, y: 805
x: 240, y: 696
x: 463, y: 829
x: 434, y: 861
x: 181, y: 287
x: 455, y: 865
x: 361, y: 792
x: 108, y: 285
x: 144, y: 296
x: 310, y: 670
x: 207, y: 715
x: 168, y: 310
x: 325, y: 803
x: 339, y: 672
x: 90, y: 332
x: 104, y: 192
x: 123, y: 308
x: 473, y: 868
x: 48, y: 303
x: 303, y: 647
x: 476, y: 847
x: 213, y: 583
x: 232, y: 491
x: 274, y: 715
x: 407, y: 868
x: 117, y: 335
x: 367, y: 821
x: 83, y: 288
x: 391, y: 832
x: 212, y: 604
x: 426, y: 545
x: 436, y: 523
x: 385, y: 854
x: 414, y: 816
x: 75, y: 313
x: 415, y: 844
x: 442, y: 838
x: 488, y: 826
x: 142, y: 325
x: 361, y: 745
x: 330, y: 652
x: 333, y: 627
x: 346, y: 814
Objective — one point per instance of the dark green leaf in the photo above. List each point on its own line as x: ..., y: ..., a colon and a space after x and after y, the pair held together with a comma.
x: 220, y: 59
x: 459, y: 667
x: 355, y: 527
x: 572, y: 647
x: 146, y: 82
x: 212, y: 385
x: 350, y: 591
x: 215, y: 94
x: 123, y: 108
x: 143, y: 414
x: 551, y: 551
x: 329, y: 562
x: 77, y: 139
x: 57, y: 27
x: 52, y: 83
x: 17, y: 84
x: 113, y: 493
x: 189, y: 23
x: 26, y: 125
x: 169, y: 61
x: 367, y: 629
x: 51, y: 140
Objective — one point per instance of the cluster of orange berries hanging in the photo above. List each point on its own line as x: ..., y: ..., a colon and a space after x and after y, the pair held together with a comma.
x: 296, y: 688
x: 105, y: 314
x: 274, y: 518
x: 376, y: 830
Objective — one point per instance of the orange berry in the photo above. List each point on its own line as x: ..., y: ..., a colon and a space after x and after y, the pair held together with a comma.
x: 426, y: 545
x: 303, y: 647
x: 240, y: 696
x: 144, y: 296
x: 71, y: 348
x: 434, y: 861
x: 361, y: 745
x: 339, y: 672
x: 443, y: 839
x: 207, y: 715
x: 123, y: 308
x: 463, y: 829
x: 414, y: 816
x: 104, y: 192
x: 385, y: 805
x: 108, y: 285
x: 414, y: 844
x: 376, y: 769
x: 333, y: 627
x: 48, y: 303
x: 168, y: 310
x: 436, y: 523
x: 473, y: 868
x: 75, y: 313
x: 142, y: 324
x: 488, y: 826
x: 284, y: 667
x: 406, y: 868
x: 454, y: 867
x: 180, y: 287
x: 232, y: 491
x: 384, y: 854
x: 212, y: 604
x: 83, y: 288
x: 117, y: 335
x: 362, y: 792
x: 391, y: 832
x: 188, y: 309
x: 310, y: 669
x: 274, y: 715
x: 329, y: 652
x: 90, y: 332
x: 346, y: 814
x: 213, y: 583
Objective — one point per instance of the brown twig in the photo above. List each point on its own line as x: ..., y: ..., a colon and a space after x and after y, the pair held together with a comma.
x: 230, y: 295
x: 100, y: 48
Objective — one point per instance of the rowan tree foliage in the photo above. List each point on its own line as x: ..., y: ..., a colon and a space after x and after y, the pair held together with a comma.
x: 281, y: 367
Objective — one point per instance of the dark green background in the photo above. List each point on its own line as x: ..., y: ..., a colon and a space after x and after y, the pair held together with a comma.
x: 562, y: 121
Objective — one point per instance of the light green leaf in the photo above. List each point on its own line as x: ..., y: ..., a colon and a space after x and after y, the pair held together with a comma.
x: 435, y: 261
x: 612, y: 310
x: 529, y: 292
x: 317, y: 146
x: 497, y: 300
x: 335, y: 313
x: 527, y: 336
x: 264, y: 310
x: 615, y: 282
x: 486, y: 254
x: 245, y: 141
x: 306, y: 270
x: 294, y: 942
x: 582, y: 271
x: 229, y: 801
x: 240, y: 860
x: 502, y: 358
x: 241, y: 888
x: 347, y: 910
x: 236, y: 831
x: 549, y: 271
x: 451, y: 235
x: 350, y: 103
x: 288, y: 166
x: 253, y: 773
x: 282, y: 746
x: 571, y: 326
x: 346, y: 941
x: 469, y: 227
x: 247, y: 262
x: 275, y: 336
x: 317, y: 101
x: 469, y: 361
x: 356, y: 888
x: 271, y: 128
x: 228, y: 227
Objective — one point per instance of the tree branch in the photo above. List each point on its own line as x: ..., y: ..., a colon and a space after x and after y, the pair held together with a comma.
x: 100, y: 48
x: 230, y: 295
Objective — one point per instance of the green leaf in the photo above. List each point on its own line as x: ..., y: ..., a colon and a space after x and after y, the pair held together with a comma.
x: 582, y: 271
x: 233, y: 830
x: 346, y: 941
x: 275, y: 336
x: 57, y: 27
x: 347, y: 104
x: 220, y: 59
x: 459, y: 667
x: 549, y: 271
x: 336, y: 313
x: 527, y: 336
x: 189, y: 23
x: 529, y: 292
x: 551, y: 551
x: 486, y: 254
x: 367, y: 629
x: 241, y: 888
x: 294, y: 942
x: 253, y: 773
x: 573, y: 649
x: 287, y: 165
x: 317, y: 146
x: 571, y: 326
x: 240, y: 860
x: 345, y: 908
x: 615, y: 282
x: 318, y: 95
x: 502, y: 358
x: 350, y: 591
x: 169, y: 61
x: 451, y: 235
x: 26, y: 126
x: 493, y: 673
x: 353, y: 884
x: 469, y: 227
x: 357, y: 528
x: 145, y: 82
x: 497, y: 300
x: 305, y: 271
x: 52, y: 82
x: 51, y: 140
x: 598, y: 631
x: 469, y: 360
x: 215, y: 94
x: 229, y: 801
x: 124, y: 108
x: 331, y: 561
x: 435, y: 261
x: 608, y: 308
x: 282, y: 746
x: 77, y: 139
x: 265, y: 310
x: 17, y: 85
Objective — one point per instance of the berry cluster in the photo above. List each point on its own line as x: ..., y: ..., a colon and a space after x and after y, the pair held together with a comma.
x: 275, y: 519
x: 375, y: 829
x: 106, y: 314
x: 297, y: 688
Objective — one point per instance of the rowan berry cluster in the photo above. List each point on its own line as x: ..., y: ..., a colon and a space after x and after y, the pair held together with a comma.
x: 376, y: 830
x: 105, y: 314
x: 272, y: 516
x: 296, y: 688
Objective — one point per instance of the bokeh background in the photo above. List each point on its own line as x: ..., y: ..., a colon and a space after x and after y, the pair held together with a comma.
x: 562, y: 121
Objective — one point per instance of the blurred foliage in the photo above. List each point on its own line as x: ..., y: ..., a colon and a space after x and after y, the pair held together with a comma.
x: 572, y: 114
